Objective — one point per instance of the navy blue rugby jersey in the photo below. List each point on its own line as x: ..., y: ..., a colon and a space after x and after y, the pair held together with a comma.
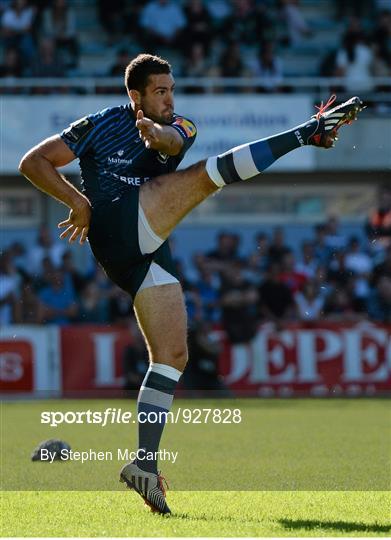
x: 112, y: 156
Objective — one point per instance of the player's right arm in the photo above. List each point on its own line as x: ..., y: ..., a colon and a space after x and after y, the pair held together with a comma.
x: 39, y: 166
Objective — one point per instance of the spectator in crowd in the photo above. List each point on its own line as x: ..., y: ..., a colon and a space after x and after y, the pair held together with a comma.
x: 121, y: 62
x: 356, y: 260
x: 193, y: 303
x: 198, y: 26
x: 309, y: 302
x: 379, y: 302
x: 16, y: 28
x: 219, y: 10
x: 275, y: 298
x: 42, y: 280
x: 258, y: 260
x: 120, y: 308
x: 135, y: 360
x: 231, y: 64
x: 354, y: 60
x: 322, y: 251
x: 334, y: 239
x: 17, y: 253
x: 328, y: 64
x: 163, y: 22
x: 10, y: 281
x: 383, y: 269
x: 378, y: 226
x: 289, y: 275
x: 381, y: 39
x: 59, y: 23
x: 48, y: 63
x: 308, y: 264
x: 360, y: 265
x: 239, y: 301
x: 268, y: 67
x: 27, y: 307
x: 265, y: 24
x: 296, y: 24
x: 338, y: 275
x: 207, y: 287
x: 339, y: 307
x: 320, y: 280
x: 227, y: 250
x: 196, y: 64
x: 202, y: 370
x: 12, y: 63
x: 106, y: 288
x: 242, y: 24
x: 111, y: 17
x: 58, y: 300
x: 277, y: 248
x: 70, y: 271
x: 45, y: 247
x: 93, y: 307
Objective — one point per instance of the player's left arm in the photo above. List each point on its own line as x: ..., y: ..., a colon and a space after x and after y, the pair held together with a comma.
x: 169, y: 140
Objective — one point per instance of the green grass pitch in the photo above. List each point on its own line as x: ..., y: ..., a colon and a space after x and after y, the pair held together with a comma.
x: 290, y: 468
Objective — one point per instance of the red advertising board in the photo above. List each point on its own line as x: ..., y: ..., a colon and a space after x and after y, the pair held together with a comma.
x: 16, y: 366
x: 91, y: 359
x: 29, y: 359
x: 328, y: 359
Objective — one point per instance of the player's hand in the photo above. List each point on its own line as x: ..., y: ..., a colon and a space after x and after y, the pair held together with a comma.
x: 77, y: 223
x: 148, y: 131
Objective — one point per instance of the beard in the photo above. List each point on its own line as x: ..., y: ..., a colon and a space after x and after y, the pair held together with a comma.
x: 165, y: 117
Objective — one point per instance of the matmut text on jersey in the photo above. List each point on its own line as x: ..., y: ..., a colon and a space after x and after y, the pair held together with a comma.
x: 112, y: 156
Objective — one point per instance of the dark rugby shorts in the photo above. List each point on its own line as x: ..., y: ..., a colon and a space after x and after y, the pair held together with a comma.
x: 113, y: 237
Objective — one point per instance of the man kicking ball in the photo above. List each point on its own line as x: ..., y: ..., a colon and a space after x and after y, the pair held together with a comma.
x: 132, y: 199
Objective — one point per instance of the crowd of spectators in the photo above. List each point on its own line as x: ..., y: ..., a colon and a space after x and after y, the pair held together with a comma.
x: 227, y: 38
x: 39, y: 39
x: 330, y: 277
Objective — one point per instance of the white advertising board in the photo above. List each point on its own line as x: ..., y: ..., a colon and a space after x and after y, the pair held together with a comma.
x: 223, y: 121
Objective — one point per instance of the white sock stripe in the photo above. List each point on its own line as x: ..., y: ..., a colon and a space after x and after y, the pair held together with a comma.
x: 243, y: 161
x: 213, y: 172
x: 167, y: 371
x: 155, y: 397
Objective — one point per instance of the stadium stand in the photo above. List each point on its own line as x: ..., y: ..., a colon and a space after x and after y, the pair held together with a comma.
x: 302, y: 271
x: 309, y: 38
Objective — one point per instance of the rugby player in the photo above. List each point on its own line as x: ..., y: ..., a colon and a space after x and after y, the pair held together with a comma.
x: 133, y: 198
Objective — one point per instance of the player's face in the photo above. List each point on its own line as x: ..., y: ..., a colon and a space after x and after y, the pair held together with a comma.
x: 157, y: 102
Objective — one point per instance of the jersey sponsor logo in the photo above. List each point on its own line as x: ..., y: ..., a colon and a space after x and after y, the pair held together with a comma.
x: 186, y: 127
x: 79, y: 129
x: 119, y: 161
x: 131, y: 180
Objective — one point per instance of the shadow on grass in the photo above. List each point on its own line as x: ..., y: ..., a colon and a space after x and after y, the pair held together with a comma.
x: 189, y: 517
x: 337, y: 525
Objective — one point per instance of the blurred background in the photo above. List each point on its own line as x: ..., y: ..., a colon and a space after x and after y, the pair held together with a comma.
x: 287, y: 279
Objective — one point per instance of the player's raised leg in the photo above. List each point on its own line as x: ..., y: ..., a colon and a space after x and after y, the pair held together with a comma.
x: 161, y: 315
x: 167, y: 199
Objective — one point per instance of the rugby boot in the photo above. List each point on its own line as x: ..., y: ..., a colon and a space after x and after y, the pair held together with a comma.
x: 148, y: 485
x: 328, y: 122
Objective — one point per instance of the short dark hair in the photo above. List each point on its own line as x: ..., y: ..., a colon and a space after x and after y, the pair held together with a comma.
x: 141, y: 67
